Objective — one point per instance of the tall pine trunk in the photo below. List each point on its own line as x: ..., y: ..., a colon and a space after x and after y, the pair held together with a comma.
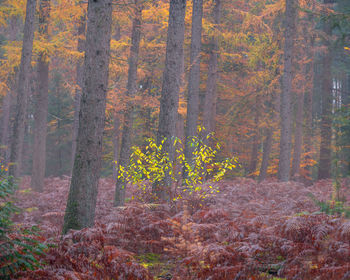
x: 287, y: 80
x: 22, y: 89
x: 131, y: 88
x: 41, y: 105
x: 255, y: 143
x: 9, y: 98
x: 172, y: 81
x: 298, y: 136
x: 77, y: 97
x: 5, y: 126
x: 116, y: 135
x: 194, y: 78
x: 209, y: 110
x: 268, y: 142
x: 324, y: 170
x: 81, y: 204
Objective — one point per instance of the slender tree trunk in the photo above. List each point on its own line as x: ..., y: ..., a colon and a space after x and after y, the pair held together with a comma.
x: 129, y: 110
x: 8, y: 100
x: 286, y: 107
x: 172, y: 80
x: 324, y: 170
x: 77, y: 97
x: 209, y: 109
x: 255, y: 143
x: 116, y: 136
x: 41, y: 105
x: 5, y: 126
x: 80, y: 211
x: 298, y: 136
x: 194, y: 78
x: 267, y: 148
x: 22, y: 89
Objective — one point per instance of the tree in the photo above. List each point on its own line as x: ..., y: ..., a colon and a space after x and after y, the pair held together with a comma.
x: 286, y: 99
x: 172, y: 80
x: 80, y: 210
x: 327, y: 103
x: 129, y: 110
x: 41, y: 104
x: 77, y: 96
x: 22, y: 89
x: 209, y: 110
x: 194, y: 77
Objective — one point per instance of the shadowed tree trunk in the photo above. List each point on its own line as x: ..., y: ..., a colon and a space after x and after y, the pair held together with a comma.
x: 77, y: 97
x: 22, y: 89
x: 172, y: 80
x: 267, y: 145
x: 129, y: 110
x: 255, y: 143
x: 41, y: 105
x: 209, y: 109
x: 116, y: 135
x: 286, y: 106
x: 9, y: 98
x: 80, y: 211
x: 194, y: 77
x: 5, y: 126
x: 298, y: 136
x: 324, y: 170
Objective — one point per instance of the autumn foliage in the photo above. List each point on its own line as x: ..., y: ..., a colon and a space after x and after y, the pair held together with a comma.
x: 246, y: 231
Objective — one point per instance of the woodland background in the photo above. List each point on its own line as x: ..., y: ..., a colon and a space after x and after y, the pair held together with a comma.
x: 83, y: 82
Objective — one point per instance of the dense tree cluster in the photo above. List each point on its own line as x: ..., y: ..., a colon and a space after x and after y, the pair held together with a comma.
x: 84, y: 82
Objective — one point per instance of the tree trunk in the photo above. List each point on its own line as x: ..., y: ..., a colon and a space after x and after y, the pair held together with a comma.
x: 286, y: 107
x: 255, y: 143
x: 267, y: 147
x: 80, y: 211
x: 324, y: 170
x: 172, y: 80
x: 210, y: 96
x: 9, y: 98
x: 129, y: 110
x: 22, y: 89
x: 116, y: 132
x: 298, y: 136
x: 5, y: 127
x: 194, y: 78
x: 77, y: 97
x: 41, y: 105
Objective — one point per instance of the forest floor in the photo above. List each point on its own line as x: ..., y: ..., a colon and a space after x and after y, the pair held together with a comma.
x: 248, y: 230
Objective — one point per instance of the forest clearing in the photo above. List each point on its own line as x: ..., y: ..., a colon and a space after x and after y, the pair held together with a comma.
x: 175, y: 139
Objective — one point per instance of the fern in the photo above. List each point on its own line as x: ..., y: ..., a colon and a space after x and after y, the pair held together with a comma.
x: 19, y: 247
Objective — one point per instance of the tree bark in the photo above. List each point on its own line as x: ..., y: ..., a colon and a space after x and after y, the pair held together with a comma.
x: 286, y: 107
x: 22, y: 89
x: 80, y: 210
x: 209, y: 110
x: 172, y: 80
x: 9, y: 98
x: 116, y: 135
x: 255, y: 143
x: 298, y: 136
x: 41, y: 105
x: 5, y: 126
x: 194, y: 78
x: 324, y: 170
x: 267, y: 147
x: 77, y: 97
x: 131, y: 88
